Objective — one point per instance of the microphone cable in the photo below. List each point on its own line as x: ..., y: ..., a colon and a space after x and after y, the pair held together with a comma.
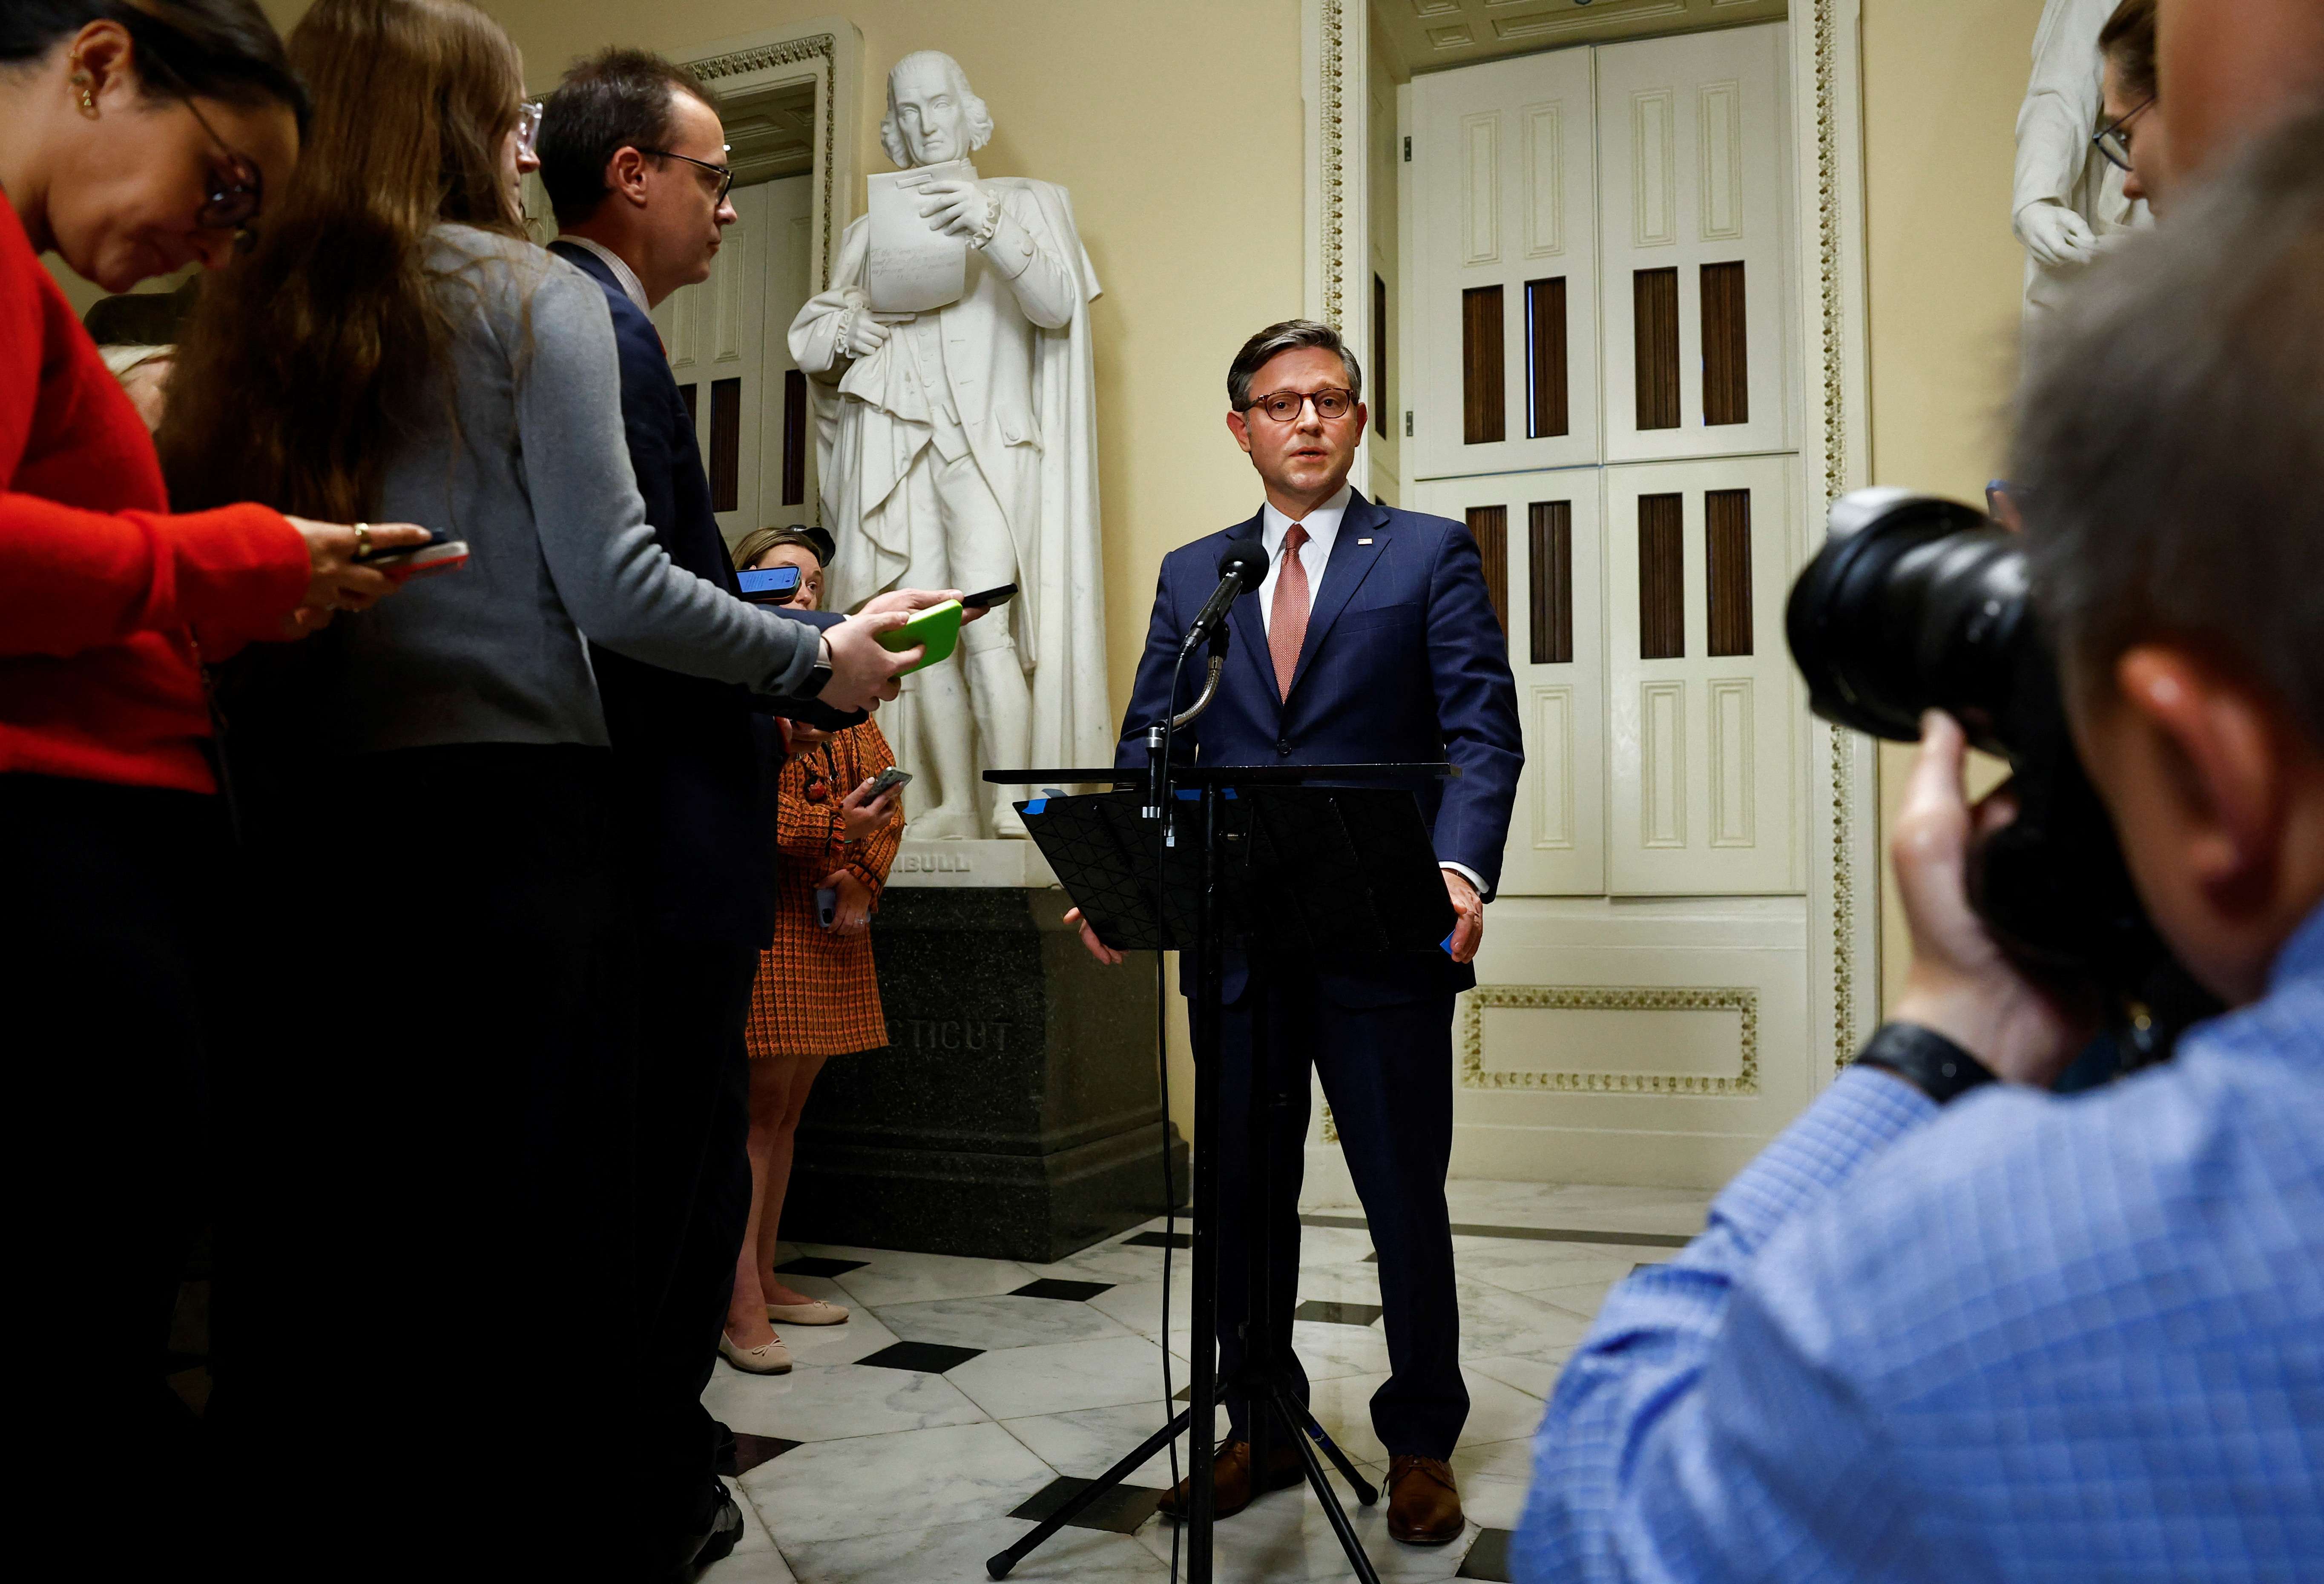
x: 1169, y: 1227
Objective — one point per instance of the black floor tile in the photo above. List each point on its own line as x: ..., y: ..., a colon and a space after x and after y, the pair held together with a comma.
x: 928, y: 1357
x: 1488, y: 1558
x: 751, y: 1451
x: 1120, y: 1510
x: 1158, y: 1240
x: 813, y: 1264
x: 1065, y: 1292
x: 1338, y: 1313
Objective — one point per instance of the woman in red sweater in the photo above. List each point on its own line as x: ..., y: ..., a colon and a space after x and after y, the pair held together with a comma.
x: 136, y: 137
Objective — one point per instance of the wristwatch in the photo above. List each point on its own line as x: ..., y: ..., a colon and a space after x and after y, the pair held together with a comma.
x: 1924, y: 1059
x: 818, y: 676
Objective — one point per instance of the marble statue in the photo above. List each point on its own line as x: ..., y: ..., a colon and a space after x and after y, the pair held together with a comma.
x: 2069, y: 197
x: 958, y: 449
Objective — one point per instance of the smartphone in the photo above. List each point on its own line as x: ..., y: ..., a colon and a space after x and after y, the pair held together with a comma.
x: 440, y: 554
x: 884, y: 781
x: 773, y: 586
x: 938, y: 627
x: 990, y: 597
x: 827, y: 906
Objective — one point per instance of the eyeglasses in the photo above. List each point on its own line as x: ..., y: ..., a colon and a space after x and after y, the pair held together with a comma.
x: 527, y: 127
x: 2113, y: 139
x: 1282, y: 406
x: 725, y: 173
x: 235, y: 197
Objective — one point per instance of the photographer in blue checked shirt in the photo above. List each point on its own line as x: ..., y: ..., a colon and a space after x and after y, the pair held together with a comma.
x: 1951, y: 1330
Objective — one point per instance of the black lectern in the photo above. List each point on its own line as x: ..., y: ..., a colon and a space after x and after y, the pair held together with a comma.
x: 1280, y: 859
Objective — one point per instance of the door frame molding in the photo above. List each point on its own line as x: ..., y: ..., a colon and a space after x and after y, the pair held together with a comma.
x: 1842, y: 792
x: 826, y: 52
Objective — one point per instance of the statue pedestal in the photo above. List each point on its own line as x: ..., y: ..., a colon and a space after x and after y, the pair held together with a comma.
x: 1017, y: 1113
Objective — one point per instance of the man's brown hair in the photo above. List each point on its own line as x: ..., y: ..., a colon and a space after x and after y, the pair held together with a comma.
x: 614, y: 100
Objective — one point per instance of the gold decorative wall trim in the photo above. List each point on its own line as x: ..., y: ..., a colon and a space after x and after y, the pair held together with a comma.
x: 1469, y: 1051
x: 1334, y: 132
x: 1830, y: 262
x: 820, y: 48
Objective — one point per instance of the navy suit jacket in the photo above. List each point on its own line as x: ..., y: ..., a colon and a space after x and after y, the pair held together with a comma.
x: 696, y: 761
x: 1404, y: 661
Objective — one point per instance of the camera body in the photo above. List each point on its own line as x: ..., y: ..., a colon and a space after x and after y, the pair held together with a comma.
x: 1916, y: 602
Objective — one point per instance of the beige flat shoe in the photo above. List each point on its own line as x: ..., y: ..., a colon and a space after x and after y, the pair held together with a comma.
x: 818, y: 1312
x: 769, y: 1358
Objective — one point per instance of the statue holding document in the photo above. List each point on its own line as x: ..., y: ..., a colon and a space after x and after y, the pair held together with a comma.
x: 956, y: 433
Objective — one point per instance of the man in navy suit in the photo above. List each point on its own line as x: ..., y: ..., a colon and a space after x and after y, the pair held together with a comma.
x: 1372, y: 640
x: 633, y: 155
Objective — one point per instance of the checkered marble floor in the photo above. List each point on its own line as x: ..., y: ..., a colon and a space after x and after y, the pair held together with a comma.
x: 962, y: 1393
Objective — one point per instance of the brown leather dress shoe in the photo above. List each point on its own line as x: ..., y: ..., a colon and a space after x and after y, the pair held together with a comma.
x: 1424, y: 1506
x: 1231, y: 1490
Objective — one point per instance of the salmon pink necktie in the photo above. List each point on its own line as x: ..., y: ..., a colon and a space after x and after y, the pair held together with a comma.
x: 1287, y: 626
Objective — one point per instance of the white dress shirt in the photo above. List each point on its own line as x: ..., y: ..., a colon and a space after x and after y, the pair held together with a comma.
x: 1323, y: 525
x: 625, y: 277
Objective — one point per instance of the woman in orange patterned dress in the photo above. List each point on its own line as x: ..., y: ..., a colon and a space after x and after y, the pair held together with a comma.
x: 817, y: 995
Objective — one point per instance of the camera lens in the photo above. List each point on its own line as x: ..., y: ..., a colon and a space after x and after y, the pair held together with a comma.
x: 1917, y: 604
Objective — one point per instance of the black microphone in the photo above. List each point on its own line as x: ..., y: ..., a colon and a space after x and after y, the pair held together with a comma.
x: 1241, y: 567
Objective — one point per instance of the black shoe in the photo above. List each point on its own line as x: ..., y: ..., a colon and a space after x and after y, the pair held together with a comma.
x: 725, y: 1533
x: 726, y: 1460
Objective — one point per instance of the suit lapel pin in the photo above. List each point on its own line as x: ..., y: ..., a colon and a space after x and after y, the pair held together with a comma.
x: 1363, y: 541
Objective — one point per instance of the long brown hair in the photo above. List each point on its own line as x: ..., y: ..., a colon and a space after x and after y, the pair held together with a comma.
x: 307, y: 363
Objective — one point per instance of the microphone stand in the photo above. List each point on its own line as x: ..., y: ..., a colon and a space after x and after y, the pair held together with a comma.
x: 1272, y: 1408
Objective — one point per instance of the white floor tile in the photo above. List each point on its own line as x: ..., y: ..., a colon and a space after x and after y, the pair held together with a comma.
x: 1327, y: 1352
x: 955, y: 1553
x: 754, y: 1560
x: 1000, y: 1322
x: 867, y: 1485
x: 1088, y: 1442
x: 1494, y: 1460
x: 1061, y: 1377
x: 1112, y: 1261
x: 918, y: 1278
x: 1581, y: 1298
x: 1138, y: 1305
x: 1494, y: 1323
x: 1285, y: 1535
x: 820, y: 1402
x: 1496, y: 1412
x: 1534, y: 1374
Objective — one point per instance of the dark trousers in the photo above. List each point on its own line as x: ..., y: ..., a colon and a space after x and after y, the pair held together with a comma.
x: 113, y: 901
x: 1388, y: 1074
x: 693, y: 1205
x: 426, y: 1282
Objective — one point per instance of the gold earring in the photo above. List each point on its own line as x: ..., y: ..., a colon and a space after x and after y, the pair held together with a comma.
x: 79, y: 80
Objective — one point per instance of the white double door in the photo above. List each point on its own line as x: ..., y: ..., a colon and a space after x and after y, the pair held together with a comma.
x: 728, y: 340
x: 1599, y: 319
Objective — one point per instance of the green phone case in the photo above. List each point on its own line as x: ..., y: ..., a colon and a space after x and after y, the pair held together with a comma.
x: 938, y: 627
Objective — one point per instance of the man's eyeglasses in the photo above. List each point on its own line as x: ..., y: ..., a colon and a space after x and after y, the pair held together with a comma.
x: 725, y: 173
x: 1282, y: 406
x: 527, y: 127
x: 234, y: 197
x: 2113, y: 139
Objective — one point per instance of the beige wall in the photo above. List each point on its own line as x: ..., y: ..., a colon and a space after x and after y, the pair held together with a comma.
x: 1942, y: 80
